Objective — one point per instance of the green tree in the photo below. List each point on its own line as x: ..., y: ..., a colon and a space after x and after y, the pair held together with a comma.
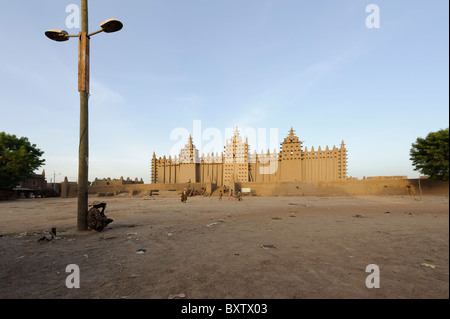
x: 430, y: 155
x: 18, y: 159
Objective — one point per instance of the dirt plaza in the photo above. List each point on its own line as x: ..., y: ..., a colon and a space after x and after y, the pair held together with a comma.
x: 260, y: 247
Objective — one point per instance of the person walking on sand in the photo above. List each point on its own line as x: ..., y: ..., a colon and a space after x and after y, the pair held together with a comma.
x: 231, y: 195
x: 184, y: 196
x: 220, y: 196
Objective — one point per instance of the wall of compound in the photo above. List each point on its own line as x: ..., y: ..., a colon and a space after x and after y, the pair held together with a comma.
x: 413, y: 187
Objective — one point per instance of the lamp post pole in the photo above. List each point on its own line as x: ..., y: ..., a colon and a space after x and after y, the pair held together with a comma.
x: 83, y: 88
x: 108, y: 26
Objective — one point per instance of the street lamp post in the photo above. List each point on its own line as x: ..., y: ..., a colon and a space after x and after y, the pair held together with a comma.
x: 108, y: 26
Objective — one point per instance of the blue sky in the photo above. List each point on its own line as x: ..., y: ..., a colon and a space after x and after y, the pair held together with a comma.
x: 255, y: 64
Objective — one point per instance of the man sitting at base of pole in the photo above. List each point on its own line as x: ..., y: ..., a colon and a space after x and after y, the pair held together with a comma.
x: 96, y: 219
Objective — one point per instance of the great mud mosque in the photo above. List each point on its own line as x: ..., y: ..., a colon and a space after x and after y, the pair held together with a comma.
x: 237, y: 165
x: 294, y: 170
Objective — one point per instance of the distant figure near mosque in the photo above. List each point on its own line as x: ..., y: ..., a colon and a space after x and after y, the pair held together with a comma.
x: 237, y: 165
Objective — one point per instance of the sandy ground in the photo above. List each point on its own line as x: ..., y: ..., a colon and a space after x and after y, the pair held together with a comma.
x: 260, y: 247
